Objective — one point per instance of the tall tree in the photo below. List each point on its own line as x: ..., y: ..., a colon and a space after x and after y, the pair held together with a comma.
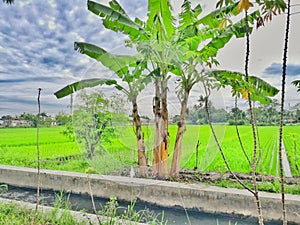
x: 91, y: 120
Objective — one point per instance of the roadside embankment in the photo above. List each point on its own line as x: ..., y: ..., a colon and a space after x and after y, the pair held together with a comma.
x: 190, y: 196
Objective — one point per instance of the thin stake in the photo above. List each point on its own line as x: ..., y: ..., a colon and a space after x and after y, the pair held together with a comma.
x: 38, y: 156
x: 197, y: 154
x: 284, y: 71
x: 38, y: 149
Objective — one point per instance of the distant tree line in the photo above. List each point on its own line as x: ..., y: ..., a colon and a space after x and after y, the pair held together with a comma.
x: 265, y: 115
x: 31, y: 120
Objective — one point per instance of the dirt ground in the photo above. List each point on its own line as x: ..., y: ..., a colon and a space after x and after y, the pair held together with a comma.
x: 197, y: 176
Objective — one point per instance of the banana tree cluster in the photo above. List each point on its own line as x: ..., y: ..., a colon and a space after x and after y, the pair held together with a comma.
x: 166, y: 50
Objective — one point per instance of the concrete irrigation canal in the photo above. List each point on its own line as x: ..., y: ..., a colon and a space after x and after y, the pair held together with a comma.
x: 219, y: 203
x: 285, y: 162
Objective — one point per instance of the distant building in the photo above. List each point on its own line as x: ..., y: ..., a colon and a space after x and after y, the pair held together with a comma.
x: 15, y: 122
x: 9, y: 121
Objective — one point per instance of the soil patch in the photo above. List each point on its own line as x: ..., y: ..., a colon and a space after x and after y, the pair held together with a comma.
x: 197, y: 176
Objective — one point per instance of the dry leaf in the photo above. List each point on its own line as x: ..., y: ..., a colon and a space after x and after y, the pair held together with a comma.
x: 245, y: 94
x: 244, y: 4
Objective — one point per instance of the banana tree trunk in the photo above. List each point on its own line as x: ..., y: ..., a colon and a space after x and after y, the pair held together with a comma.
x: 142, y: 159
x: 157, y: 131
x: 181, y: 127
x: 164, y: 172
x: 160, y: 151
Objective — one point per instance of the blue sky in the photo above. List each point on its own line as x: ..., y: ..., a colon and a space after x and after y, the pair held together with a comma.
x: 36, y: 51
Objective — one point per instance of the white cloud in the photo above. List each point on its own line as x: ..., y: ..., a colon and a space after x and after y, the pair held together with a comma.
x: 37, y: 49
x: 51, y: 25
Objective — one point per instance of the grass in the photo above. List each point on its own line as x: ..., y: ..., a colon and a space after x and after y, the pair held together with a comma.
x: 17, y: 147
x: 292, y: 144
x: 274, y: 187
x: 209, y: 156
x: 11, y: 214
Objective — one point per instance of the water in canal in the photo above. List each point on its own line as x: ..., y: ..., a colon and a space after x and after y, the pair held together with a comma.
x: 174, y: 216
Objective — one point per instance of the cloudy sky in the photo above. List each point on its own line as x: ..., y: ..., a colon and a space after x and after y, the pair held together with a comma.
x: 36, y: 51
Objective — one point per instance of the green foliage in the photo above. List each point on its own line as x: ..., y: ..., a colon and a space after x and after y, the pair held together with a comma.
x: 91, y: 170
x: 63, y: 119
x: 292, y: 144
x: 222, y: 37
x: 188, y: 15
x: 273, y: 187
x: 68, y: 131
x: 238, y: 122
x: 213, y: 19
x: 92, y: 122
x: 111, y: 211
x: 259, y: 89
x: 79, y: 85
x: 30, y: 117
x: 116, y: 19
x: 166, y: 47
x: 267, y: 114
x: 3, y: 187
x: 220, y: 3
x: 117, y: 63
x: 198, y: 115
x: 160, y: 20
x: 11, y: 214
x: 272, y: 8
x: 297, y: 84
x: 128, y: 68
x: 18, y: 148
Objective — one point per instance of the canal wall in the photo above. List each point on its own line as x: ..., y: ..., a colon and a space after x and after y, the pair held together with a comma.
x: 163, y: 193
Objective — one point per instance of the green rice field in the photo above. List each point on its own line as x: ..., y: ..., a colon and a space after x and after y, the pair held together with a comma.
x: 18, y: 147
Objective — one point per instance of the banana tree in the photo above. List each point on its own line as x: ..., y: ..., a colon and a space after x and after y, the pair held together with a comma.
x: 189, y: 39
x: 149, y: 37
x: 152, y: 39
x: 166, y: 49
x: 259, y: 89
x: 129, y: 69
x: 158, y: 28
x: 192, y: 32
x: 163, y: 56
